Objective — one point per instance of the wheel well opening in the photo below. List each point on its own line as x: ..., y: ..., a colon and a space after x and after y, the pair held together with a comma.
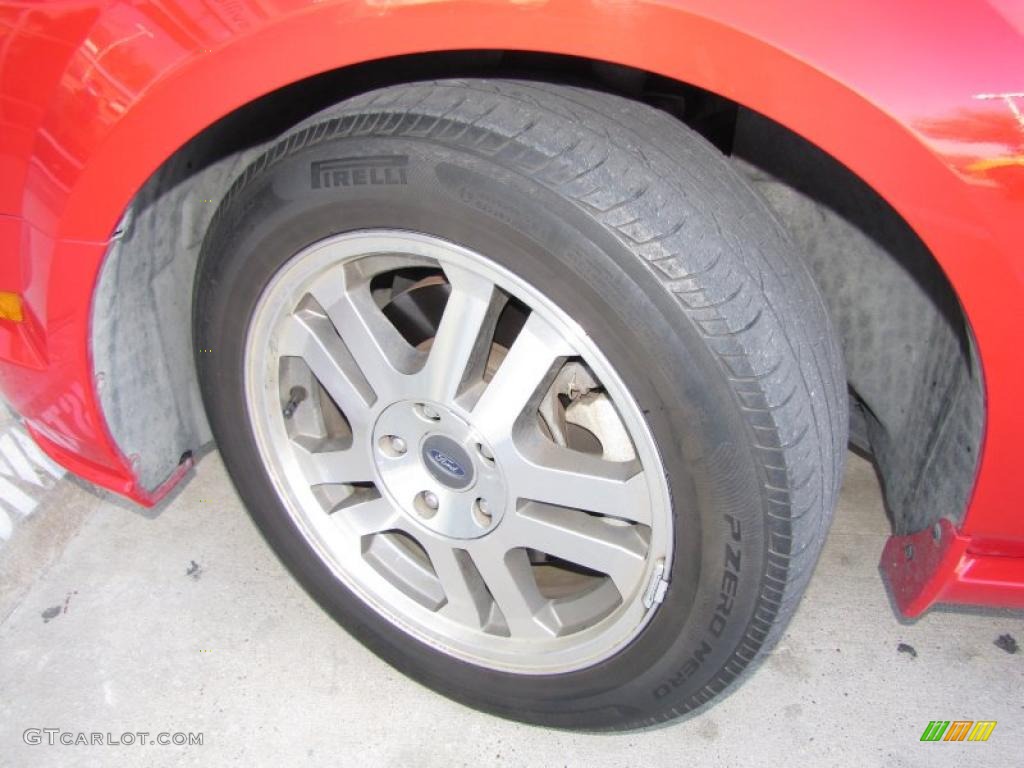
x: 915, y: 383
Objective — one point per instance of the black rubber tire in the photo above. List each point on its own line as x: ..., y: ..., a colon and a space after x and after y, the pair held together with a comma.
x: 642, y: 232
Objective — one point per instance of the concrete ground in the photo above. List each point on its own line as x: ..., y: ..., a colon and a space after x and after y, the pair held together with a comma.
x: 113, y: 621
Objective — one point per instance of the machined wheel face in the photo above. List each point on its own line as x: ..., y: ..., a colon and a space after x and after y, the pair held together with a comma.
x: 458, y: 452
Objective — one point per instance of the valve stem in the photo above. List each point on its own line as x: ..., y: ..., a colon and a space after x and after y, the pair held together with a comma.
x: 296, y: 396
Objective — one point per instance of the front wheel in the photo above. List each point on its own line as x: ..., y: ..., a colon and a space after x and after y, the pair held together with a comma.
x: 529, y: 390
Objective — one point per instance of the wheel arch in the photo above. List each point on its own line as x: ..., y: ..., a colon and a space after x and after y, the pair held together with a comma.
x: 795, y: 82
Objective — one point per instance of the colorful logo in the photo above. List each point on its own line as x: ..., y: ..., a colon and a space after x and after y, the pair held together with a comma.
x: 958, y: 730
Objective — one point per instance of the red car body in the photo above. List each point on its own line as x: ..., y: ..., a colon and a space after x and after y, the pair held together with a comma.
x: 923, y: 101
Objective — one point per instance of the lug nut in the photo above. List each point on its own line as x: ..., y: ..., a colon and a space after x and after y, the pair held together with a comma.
x: 393, y: 446
x: 485, y: 451
x: 481, y: 513
x: 429, y: 412
x: 426, y: 503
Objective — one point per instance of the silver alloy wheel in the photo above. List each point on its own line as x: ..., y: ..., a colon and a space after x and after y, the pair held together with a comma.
x: 484, y: 481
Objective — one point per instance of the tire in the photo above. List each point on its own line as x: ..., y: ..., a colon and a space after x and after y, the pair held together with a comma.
x: 696, y: 314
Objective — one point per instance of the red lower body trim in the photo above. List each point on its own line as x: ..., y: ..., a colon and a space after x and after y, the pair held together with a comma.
x: 125, y: 484
x: 939, y: 567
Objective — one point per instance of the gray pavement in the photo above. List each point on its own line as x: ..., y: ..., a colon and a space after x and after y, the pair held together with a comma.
x: 113, y: 620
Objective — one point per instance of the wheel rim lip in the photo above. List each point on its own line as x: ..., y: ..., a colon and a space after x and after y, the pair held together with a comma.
x: 573, y: 652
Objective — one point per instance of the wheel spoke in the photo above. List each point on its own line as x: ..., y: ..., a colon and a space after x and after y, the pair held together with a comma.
x: 527, y: 367
x: 509, y: 577
x: 382, y: 355
x: 543, y: 471
x: 347, y: 466
x: 466, y: 598
x: 462, y: 341
x: 372, y: 515
x: 309, y: 335
x: 616, y: 550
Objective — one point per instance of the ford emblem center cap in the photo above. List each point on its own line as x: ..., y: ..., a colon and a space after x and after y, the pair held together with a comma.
x: 448, y: 462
